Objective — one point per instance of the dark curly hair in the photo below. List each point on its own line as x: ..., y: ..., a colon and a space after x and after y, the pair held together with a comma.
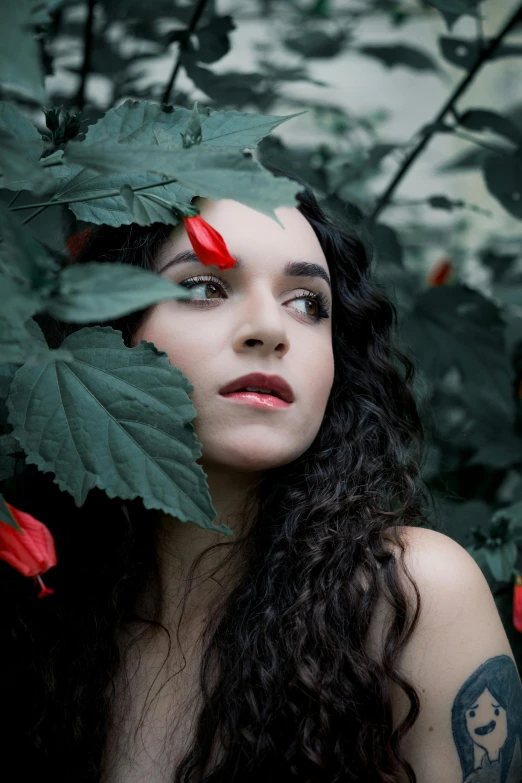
x: 298, y: 696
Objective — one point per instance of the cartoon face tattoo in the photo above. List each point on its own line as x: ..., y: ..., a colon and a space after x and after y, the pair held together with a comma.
x: 486, y: 720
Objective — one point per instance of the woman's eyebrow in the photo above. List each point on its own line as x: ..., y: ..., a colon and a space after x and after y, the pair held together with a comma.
x: 291, y: 268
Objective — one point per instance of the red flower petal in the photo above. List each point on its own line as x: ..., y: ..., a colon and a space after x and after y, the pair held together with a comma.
x: 76, y: 242
x: 31, y: 552
x: 441, y: 272
x: 208, y: 244
x: 517, y: 603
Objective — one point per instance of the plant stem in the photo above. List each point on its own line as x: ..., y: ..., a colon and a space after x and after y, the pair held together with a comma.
x: 87, y: 53
x: 30, y: 217
x: 484, y: 55
x: 496, y: 150
x: 182, y: 46
x: 44, y: 204
x: 13, y: 199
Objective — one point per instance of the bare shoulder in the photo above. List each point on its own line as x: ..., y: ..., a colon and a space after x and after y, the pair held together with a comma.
x: 460, y: 663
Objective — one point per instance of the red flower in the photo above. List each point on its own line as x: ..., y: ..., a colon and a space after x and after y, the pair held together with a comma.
x: 76, y: 242
x: 441, y: 272
x: 208, y: 243
x: 517, y: 603
x: 30, y: 551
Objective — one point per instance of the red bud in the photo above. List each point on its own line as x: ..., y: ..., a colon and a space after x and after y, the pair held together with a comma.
x: 441, y: 272
x: 208, y: 244
x: 31, y: 551
x: 76, y: 242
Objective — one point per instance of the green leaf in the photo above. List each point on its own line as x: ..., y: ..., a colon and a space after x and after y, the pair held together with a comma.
x: 456, y: 326
x: 139, y: 121
x: 20, y: 66
x: 17, y: 341
x: 464, y: 52
x: 21, y: 147
x: 214, y: 38
x: 22, y: 257
x: 503, y: 178
x: 485, y: 120
x: 400, y: 55
x: 5, y: 515
x: 231, y: 87
x: 112, y: 210
x: 317, y: 43
x: 97, y: 291
x: 213, y: 173
x: 8, y: 445
x: 513, y: 515
x: 452, y: 10
x: 147, y: 208
x: 116, y: 418
x: 501, y: 560
x: 28, y: 275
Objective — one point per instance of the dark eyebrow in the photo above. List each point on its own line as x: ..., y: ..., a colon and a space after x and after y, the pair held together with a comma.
x: 291, y: 268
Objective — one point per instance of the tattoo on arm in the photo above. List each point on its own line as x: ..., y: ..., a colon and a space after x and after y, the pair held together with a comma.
x: 486, y: 720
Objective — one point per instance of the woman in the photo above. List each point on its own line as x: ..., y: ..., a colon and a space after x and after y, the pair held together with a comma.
x: 329, y: 638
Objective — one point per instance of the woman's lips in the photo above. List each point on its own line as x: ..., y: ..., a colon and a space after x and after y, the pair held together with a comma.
x: 257, y: 399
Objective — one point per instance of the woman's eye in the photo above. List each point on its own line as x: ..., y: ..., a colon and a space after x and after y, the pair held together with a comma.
x: 472, y: 714
x: 213, y: 287
x: 497, y: 712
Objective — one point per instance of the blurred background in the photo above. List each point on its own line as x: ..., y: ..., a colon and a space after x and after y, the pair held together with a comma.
x: 412, y: 133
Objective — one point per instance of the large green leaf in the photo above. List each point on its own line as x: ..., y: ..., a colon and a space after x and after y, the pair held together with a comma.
x: 212, y: 172
x: 144, y: 123
x: 116, y: 418
x: 20, y: 66
x: 138, y: 122
x: 98, y: 291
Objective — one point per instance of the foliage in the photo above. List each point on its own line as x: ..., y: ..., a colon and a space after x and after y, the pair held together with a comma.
x: 143, y: 153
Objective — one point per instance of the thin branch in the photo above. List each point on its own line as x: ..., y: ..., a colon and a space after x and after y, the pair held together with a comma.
x: 182, y: 46
x: 87, y: 55
x: 484, y: 55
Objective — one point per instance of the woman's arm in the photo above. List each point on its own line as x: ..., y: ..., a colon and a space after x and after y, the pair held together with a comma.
x: 461, y: 664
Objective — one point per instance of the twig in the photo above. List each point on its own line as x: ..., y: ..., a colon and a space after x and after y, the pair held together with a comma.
x: 87, y: 53
x: 484, y: 55
x: 182, y: 46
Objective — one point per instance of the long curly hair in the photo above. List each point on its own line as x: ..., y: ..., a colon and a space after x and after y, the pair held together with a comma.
x: 288, y: 683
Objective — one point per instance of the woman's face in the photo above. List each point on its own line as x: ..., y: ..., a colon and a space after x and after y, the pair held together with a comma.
x: 250, y: 324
